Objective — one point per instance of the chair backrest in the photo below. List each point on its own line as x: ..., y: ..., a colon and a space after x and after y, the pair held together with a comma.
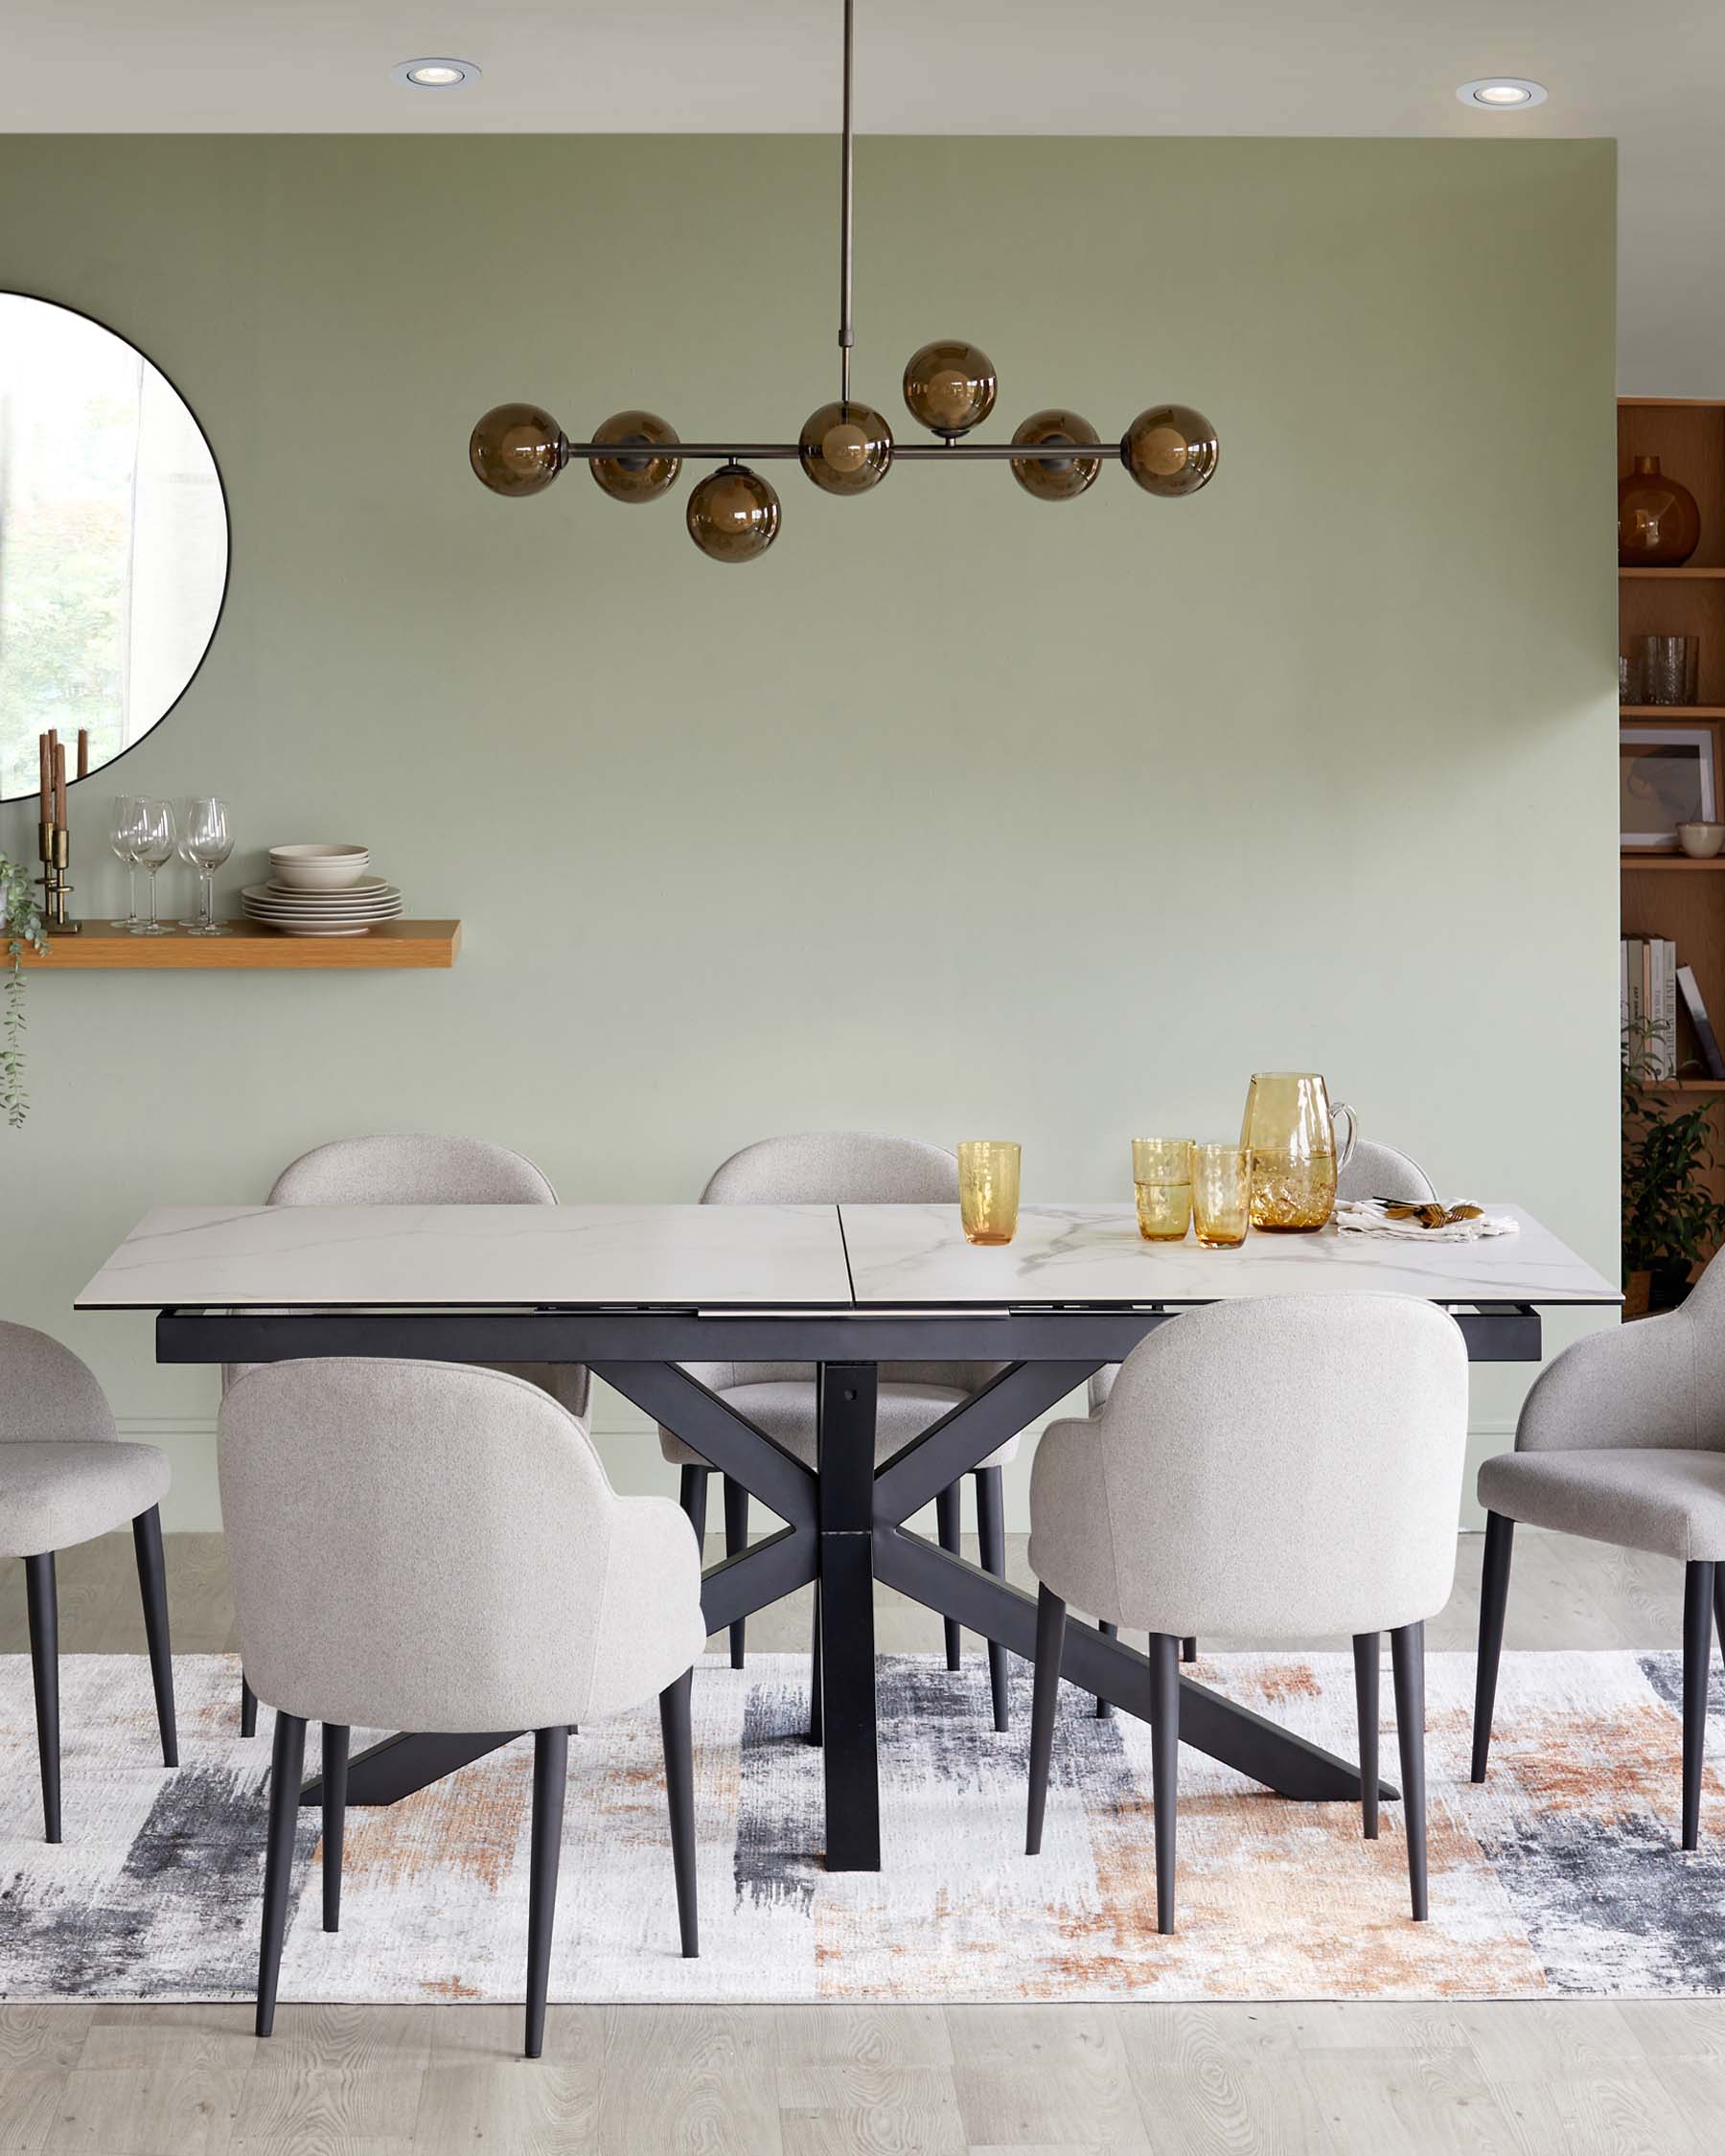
x: 411, y: 1169
x: 836, y: 1168
x: 46, y: 1392
x: 1380, y: 1171
x: 1281, y: 1466
x: 413, y: 1546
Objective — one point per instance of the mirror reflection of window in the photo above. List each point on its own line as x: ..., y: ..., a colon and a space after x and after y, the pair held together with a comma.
x: 113, y: 538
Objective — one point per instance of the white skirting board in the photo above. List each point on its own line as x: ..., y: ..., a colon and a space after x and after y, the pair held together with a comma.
x: 629, y: 1446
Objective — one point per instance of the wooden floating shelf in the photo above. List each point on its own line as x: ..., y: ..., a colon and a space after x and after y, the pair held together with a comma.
x: 250, y: 946
x: 1667, y: 713
x: 1685, y: 1085
x: 1670, y: 576
x: 1669, y: 861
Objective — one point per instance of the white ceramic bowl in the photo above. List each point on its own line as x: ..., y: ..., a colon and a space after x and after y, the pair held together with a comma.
x: 1701, y: 842
x: 318, y: 868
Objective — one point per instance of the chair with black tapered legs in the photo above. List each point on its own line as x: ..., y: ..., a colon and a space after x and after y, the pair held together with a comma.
x: 419, y: 1168
x: 1266, y: 1469
x: 1621, y: 1439
x: 434, y: 1546
x: 848, y: 1168
x: 66, y: 1476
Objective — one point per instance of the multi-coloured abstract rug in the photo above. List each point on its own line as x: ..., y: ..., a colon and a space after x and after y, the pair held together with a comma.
x: 1562, y: 1876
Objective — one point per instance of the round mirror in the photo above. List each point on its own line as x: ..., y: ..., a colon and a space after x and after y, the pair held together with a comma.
x: 113, y: 540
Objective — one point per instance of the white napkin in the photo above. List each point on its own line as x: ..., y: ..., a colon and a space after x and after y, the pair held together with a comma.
x: 1365, y: 1216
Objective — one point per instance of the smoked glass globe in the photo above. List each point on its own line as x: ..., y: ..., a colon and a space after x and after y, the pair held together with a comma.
x: 518, y: 450
x: 733, y: 514
x: 1056, y: 478
x: 1172, y: 450
x: 641, y: 478
x: 950, y: 386
x: 847, y: 448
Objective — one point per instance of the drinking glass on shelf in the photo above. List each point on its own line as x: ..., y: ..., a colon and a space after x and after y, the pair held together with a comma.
x: 1162, y: 1176
x: 208, y: 839
x: 182, y: 848
x: 123, y: 832
x: 1221, y: 1195
x: 154, y: 846
x: 988, y: 1189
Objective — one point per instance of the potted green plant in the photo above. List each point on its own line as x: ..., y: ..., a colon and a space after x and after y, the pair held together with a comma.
x: 1670, y: 1220
x: 21, y: 928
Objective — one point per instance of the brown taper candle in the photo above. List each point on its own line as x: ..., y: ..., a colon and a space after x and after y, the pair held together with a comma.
x: 59, y: 783
x: 83, y: 751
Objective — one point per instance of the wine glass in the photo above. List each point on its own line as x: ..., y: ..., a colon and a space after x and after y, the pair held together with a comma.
x: 122, y: 826
x: 208, y: 839
x: 182, y: 848
x: 153, y: 842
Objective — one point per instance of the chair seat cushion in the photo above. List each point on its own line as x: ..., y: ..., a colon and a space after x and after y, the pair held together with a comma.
x: 1641, y: 1497
x: 784, y: 1408
x: 55, y: 1495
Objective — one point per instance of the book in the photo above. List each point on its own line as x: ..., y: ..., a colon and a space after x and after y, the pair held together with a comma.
x: 1702, y: 1023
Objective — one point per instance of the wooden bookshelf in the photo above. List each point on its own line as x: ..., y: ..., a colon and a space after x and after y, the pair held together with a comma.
x: 1669, y: 894
x: 250, y: 946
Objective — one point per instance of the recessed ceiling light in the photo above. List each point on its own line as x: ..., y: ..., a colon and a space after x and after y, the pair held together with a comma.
x: 435, y: 74
x: 1503, y: 93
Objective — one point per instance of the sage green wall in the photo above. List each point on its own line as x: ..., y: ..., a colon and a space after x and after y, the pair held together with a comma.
x: 959, y: 812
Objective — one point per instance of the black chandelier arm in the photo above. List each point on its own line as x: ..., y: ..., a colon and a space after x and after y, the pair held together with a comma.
x: 934, y: 453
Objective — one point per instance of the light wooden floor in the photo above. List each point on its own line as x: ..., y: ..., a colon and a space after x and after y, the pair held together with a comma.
x: 1557, y: 2079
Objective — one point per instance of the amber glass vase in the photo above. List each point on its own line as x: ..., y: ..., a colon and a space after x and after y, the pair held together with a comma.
x: 988, y: 1189
x: 1659, y: 525
x: 1291, y: 1133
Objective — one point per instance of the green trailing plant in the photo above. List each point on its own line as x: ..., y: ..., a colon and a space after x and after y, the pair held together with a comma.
x: 1670, y: 1222
x: 21, y: 923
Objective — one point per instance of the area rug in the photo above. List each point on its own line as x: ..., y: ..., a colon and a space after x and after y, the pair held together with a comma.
x: 1561, y: 1877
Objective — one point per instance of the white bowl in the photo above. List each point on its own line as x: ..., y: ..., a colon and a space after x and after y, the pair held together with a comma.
x: 318, y: 868
x: 1701, y: 842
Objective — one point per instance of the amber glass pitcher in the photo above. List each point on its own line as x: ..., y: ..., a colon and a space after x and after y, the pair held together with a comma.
x: 1291, y: 1130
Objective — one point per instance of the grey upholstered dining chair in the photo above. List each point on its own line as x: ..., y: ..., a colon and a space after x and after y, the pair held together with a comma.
x: 1267, y: 1469
x: 434, y: 1546
x: 417, y: 1169
x: 1373, y: 1171
x: 66, y: 1476
x: 848, y: 1168
x: 1621, y: 1439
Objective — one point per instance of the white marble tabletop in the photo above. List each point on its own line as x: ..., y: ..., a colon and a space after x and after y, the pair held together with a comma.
x: 917, y: 1254
x: 231, y: 1256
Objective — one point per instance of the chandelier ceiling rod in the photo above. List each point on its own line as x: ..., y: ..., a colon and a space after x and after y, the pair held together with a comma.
x: 847, y: 448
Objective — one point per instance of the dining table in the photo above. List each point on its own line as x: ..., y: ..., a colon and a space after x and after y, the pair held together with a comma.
x: 639, y: 1292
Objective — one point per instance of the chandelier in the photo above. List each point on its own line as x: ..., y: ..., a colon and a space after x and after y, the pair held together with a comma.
x: 845, y: 448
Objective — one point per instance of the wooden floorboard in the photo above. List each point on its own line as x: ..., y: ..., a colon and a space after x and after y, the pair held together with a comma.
x: 1576, y: 2077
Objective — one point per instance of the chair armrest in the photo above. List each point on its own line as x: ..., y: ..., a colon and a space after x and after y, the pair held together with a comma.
x: 1638, y: 1385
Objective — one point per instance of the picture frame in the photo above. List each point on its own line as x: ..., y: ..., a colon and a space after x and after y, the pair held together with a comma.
x: 1666, y: 775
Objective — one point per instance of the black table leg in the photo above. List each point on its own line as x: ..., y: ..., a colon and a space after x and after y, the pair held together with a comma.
x: 844, y: 1500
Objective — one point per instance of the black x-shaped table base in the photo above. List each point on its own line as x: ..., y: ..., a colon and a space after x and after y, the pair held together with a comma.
x: 844, y: 1528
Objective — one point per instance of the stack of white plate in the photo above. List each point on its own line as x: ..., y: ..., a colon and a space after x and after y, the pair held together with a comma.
x: 321, y: 891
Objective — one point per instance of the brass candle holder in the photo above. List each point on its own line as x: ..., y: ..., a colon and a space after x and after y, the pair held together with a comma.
x: 53, y: 842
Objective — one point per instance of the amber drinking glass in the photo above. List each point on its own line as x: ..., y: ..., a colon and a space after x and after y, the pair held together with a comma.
x: 988, y: 1189
x: 1221, y: 1195
x: 1162, y: 1176
x: 1290, y: 1133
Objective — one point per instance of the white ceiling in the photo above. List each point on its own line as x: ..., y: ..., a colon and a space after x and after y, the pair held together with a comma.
x: 1654, y: 77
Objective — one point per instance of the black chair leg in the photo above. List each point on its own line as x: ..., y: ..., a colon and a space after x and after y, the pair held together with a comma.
x: 991, y: 1534
x: 248, y: 1708
x: 1407, y: 1664
x: 1105, y: 1707
x: 1699, y: 1584
x: 816, y: 1727
x: 43, y: 1604
x: 550, y: 1774
x: 692, y: 1495
x: 335, y: 1819
x: 947, y: 1529
x: 1366, y: 1700
x: 1494, y: 1598
x: 152, y: 1586
x: 679, y: 1792
x: 1188, y: 1650
x: 1051, y: 1639
x: 736, y: 1540
x: 1164, y: 1765
x: 286, y: 1770
x: 1719, y: 1603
